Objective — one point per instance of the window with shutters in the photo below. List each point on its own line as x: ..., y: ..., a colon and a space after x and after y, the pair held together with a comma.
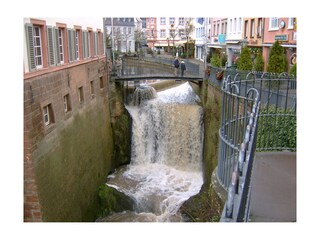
x: 60, y: 45
x: 37, y: 47
x: 77, y: 33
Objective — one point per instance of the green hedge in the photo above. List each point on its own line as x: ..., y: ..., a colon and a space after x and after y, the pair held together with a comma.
x: 277, y: 129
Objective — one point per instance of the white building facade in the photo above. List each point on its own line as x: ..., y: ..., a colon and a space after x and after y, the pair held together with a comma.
x: 123, y: 34
x: 202, y: 38
x: 234, y: 40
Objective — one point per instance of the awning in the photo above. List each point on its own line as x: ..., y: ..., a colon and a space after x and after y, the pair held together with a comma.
x: 161, y: 44
x: 283, y: 45
x: 180, y: 42
x: 216, y: 46
x: 232, y: 42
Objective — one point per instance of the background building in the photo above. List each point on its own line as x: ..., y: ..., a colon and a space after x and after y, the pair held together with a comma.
x: 252, y: 35
x: 284, y: 31
x: 234, y: 40
x: 217, y: 36
x: 122, y: 36
x: 202, y: 33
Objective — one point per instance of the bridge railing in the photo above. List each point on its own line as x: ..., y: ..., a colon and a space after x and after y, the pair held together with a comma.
x: 152, y: 66
x: 267, y: 99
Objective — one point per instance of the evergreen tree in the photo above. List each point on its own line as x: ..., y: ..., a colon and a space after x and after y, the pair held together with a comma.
x: 245, y: 61
x: 259, y: 63
x: 215, y: 60
x: 293, y: 70
x: 277, y: 61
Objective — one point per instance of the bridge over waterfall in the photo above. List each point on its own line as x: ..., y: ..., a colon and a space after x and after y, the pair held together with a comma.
x: 147, y: 68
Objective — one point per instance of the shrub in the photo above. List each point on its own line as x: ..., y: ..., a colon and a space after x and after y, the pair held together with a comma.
x: 215, y: 60
x: 245, y: 61
x: 277, y: 128
x: 259, y: 63
x: 277, y: 60
x: 293, y: 70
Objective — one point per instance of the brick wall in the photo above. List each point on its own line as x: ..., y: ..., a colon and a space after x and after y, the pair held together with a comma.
x: 44, y: 155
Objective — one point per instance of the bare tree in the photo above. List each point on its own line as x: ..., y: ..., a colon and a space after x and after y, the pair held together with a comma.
x: 117, y: 39
x: 188, y: 28
x: 108, y: 39
x: 173, y: 32
x: 125, y: 37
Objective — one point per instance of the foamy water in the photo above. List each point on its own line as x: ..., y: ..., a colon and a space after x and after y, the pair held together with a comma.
x: 165, y: 168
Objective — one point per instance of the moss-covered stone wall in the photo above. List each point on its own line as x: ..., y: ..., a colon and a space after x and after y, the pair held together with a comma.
x: 210, y: 96
x: 67, y: 158
x: 207, y: 205
x: 71, y: 163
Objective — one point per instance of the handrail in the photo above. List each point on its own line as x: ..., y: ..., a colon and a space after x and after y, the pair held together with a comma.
x: 245, y: 102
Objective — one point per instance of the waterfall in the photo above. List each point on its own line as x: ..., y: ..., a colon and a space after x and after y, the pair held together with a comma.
x: 166, y: 157
x: 142, y: 94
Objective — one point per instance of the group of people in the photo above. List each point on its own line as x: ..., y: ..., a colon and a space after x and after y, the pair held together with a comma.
x: 177, y: 65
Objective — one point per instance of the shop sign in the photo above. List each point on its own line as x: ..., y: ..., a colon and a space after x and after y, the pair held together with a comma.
x: 281, y: 37
x: 222, y: 38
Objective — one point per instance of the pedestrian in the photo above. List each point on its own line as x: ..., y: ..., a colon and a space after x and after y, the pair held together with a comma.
x: 183, y: 68
x: 176, y: 66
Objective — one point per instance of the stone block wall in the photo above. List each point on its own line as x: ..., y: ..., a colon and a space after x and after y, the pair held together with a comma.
x: 67, y: 154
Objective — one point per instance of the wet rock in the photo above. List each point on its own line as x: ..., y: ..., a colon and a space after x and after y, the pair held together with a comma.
x: 111, y: 201
x: 203, y: 207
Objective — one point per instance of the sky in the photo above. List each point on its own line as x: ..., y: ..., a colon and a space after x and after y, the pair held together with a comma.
x: 11, y: 170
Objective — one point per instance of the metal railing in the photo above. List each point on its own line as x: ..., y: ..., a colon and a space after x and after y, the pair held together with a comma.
x: 269, y: 99
x: 157, y: 66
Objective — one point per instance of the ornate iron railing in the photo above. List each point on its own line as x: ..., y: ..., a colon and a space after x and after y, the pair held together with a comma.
x: 269, y: 98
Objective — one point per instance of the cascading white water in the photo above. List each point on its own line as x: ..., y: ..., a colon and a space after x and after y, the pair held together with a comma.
x: 165, y: 168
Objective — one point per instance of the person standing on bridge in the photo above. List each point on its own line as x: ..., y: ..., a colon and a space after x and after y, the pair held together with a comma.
x: 183, y: 68
x: 176, y: 66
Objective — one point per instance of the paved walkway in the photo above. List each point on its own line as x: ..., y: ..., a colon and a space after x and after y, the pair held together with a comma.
x: 273, y: 196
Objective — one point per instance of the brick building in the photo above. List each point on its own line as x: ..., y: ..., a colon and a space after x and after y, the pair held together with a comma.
x: 65, y: 111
